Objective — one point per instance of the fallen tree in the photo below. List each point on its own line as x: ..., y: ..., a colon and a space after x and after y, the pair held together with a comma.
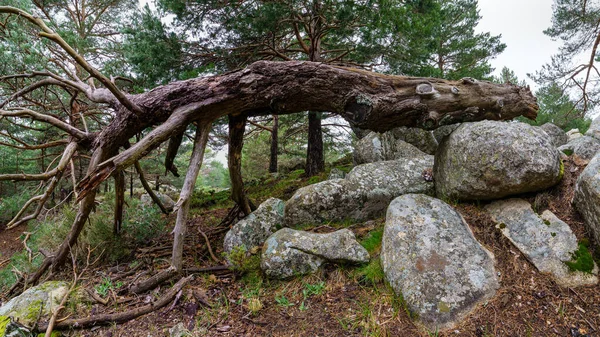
x: 366, y: 100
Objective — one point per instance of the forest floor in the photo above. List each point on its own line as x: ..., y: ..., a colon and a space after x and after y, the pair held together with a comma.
x: 338, y: 301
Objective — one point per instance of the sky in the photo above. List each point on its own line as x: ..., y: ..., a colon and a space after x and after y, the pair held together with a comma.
x: 521, y: 24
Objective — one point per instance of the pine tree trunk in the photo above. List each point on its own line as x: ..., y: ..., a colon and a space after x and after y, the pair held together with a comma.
x: 274, y: 145
x: 315, y: 162
x: 237, y: 126
x: 119, y: 201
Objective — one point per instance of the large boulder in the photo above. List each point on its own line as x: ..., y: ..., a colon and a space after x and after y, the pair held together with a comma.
x: 377, y: 147
x: 290, y: 252
x: 583, y: 147
x: 491, y: 160
x: 594, y: 130
x: 558, y: 136
x: 587, y: 196
x: 430, y: 256
x: 35, y: 303
x: 253, y: 230
x: 544, y: 239
x: 164, y: 199
x: 363, y: 195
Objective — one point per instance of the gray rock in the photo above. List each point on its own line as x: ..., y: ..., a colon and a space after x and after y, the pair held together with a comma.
x: 336, y: 173
x: 421, y: 139
x: 377, y: 147
x: 178, y: 330
x: 165, y: 199
x: 35, y: 302
x: 594, y: 130
x: 253, y: 230
x: 491, y: 160
x: 430, y: 256
x: 545, y: 240
x: 574, y: 134
x: 444, y: 131
x: 558, y: 136
x: 290, y: 252
x: 584, y: 147
x: 363, y: 195
x: 587, y: 196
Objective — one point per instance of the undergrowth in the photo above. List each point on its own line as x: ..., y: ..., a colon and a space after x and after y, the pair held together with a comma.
x: 141, y: 224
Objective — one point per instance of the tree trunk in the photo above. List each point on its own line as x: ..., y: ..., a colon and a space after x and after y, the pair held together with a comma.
x: 119, y: 201
x: 274, y: 145
x: 237, y: 127
x: 315, y: 161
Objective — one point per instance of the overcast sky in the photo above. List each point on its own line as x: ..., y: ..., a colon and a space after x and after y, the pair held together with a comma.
x: 521, y: 23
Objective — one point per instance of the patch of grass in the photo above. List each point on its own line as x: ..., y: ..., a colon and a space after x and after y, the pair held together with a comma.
x: 372, y: 273
x: 568, y: 152
x: 372, y: 242
x: 582, y: 260
x: 311, y: 290
x: 281, y: 300
x: 208, y: 198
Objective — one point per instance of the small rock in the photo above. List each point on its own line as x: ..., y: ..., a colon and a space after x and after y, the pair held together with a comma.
x: 594, y: 130
x: 165, y: 199
x: 336, y: 173
x: 376, y: 147
x: 291, y: 252
x: 583, y: 147
x: 429, y: 255
x: 253, y: 230
x: 558, y: 136
x: 545, y: 240
x: 444, y: 131
x: 574, y: 134
x: 178, y: 330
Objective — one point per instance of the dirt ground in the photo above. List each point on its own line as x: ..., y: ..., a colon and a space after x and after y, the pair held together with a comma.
x: 336, y: 302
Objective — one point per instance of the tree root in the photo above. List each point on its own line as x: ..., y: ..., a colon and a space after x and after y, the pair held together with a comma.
x: 121, y: 317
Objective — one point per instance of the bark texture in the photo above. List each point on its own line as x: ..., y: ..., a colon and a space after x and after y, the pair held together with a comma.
x: 315, y: 161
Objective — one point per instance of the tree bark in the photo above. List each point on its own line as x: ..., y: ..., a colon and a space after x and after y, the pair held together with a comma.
x: 315, y: 161
x: 274, y: 145
x: 148, y: 189
x: 119, y: 201
x: 237, y: 127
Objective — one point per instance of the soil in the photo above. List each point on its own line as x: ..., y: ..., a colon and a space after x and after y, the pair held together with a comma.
x: 230, y: 303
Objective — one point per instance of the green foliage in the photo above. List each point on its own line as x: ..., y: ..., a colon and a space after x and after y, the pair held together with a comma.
x: 372, y: 242
x: 154, y: 52
x: 444, y: 44
x: 582, y: 260
x: 281, y: 300
x: 209, y: 197
x: 558, y: 108
x: 372, y: 272
x: 311, y: 290
x: 106, y: 286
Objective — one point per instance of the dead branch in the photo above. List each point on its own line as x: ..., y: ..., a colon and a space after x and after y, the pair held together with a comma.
x: 149, y: 190
x: 42, y: 198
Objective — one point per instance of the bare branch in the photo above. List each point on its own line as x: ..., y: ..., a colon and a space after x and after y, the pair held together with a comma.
x: 24, y: 112
x: 53, y: 36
